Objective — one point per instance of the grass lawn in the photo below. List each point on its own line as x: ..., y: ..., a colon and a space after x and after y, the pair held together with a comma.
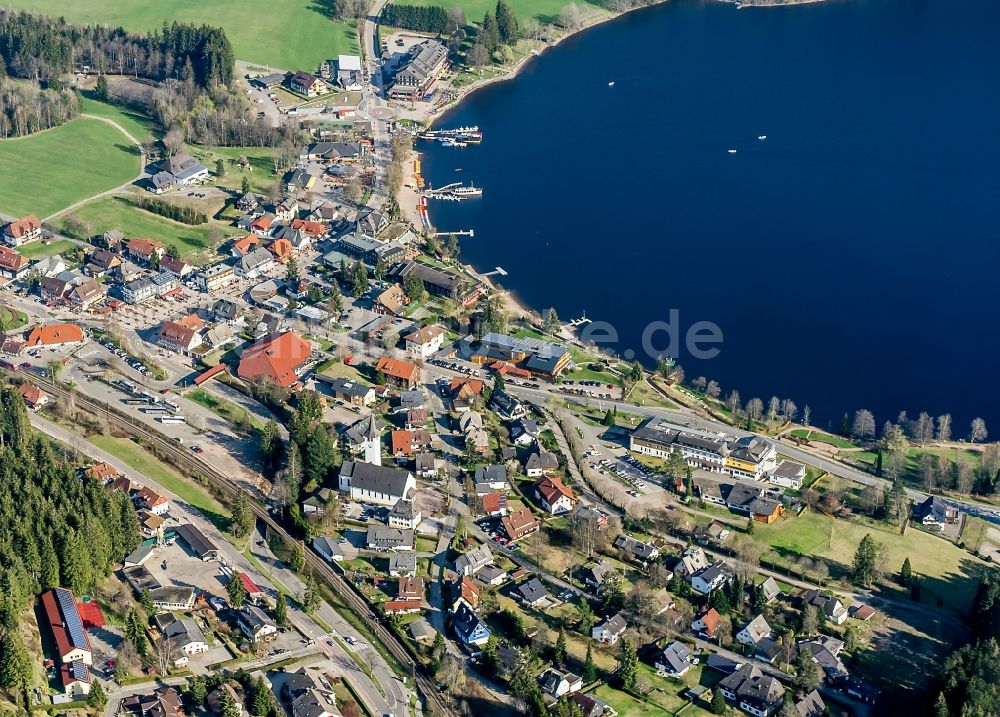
x: 120, y: 213
x: 545, y: 10
x: 63, y: 165
x: 222, y: 408
x: 260, y: 173
x: 292, y: 35
x: 12, y: 319
x: 643, y: 394
x: 338, y: 369
x: 948, y: 572
x: 134, y: 122
x: 149, y: 465
x: 38, y: 249
x: 819, y: 437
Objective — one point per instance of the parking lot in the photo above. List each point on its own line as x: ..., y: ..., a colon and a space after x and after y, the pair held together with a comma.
x: 492, y: 528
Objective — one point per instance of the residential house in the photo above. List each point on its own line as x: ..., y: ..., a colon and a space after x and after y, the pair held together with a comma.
x: 752, y: 691
x: 328, y: 549
x: 229, y: 312
x: 506, y: 406
x: 469, y: 562
x: 811, y: 705
x: 425, y: 465
x: 186, y: 639
x: 53, y: 288
x: 103, y: 473
x: 674, y: 660
x: 349, y: 391
x: 789, y: 474
x: 398, y: 373
x: 494, y: 504
x: 934, y: 512
x: 554, y: 496
x: 524, y: 431
x: 22, y: 231
x: 46, y: 266
x: 491, y: 575
x: 241, y: 247
x: 371, y: 483
x: 423, y: 342
x: 276, y: 358
x: 34, y: 398
x: 754, y: 631
x: 382, y: 538
x: 12, y: 264
x: 825, y: 652
x: 707, y: 623
x: 557, y: 683
x: 520, y: 523
x: 410, y: 588
x: 255, y: 624
x: 309, y: 694
x: 309, y: 85
x: 469, y: 629
x: 832, y: 608
x: 101, y: 262
x: 532, y: 593
x: 493, y: 477
x: 405, y: 514
x: 402, y: 564
x: 401, y: 607
x: 348, y: 72
x: 150, y: 500
x: 636, y: 550
x: 540, y: 462
x: 464, y: 591
x: 770, y: 590
x: 76, y: 680
x: 708, y: 580
x: 142, y: 251
x: 691, y: 561
x: 611, y: 630
x: 595, y: 573
x: 181, y: 336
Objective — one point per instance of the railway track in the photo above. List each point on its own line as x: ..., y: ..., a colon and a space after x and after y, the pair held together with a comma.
x: 182, y: 458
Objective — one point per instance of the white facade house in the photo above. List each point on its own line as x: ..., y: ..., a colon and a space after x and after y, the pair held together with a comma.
x: 424, y: 342
x: 755, y: 631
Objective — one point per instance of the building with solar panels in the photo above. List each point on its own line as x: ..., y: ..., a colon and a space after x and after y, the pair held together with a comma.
x: 63, y: 617
x: 76, y: 680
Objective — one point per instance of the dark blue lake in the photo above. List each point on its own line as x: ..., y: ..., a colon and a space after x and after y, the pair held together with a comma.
x: 850, y: 259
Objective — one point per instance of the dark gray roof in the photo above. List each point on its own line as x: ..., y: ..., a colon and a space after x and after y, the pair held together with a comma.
x: 196, y: 540
x: 532, y: 591
x: 377, y: 479
x: 491, y: 474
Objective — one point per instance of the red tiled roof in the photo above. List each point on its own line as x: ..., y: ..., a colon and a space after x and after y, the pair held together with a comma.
x: 493, y: 502
x: 143, y: 247
x: 402, y: 442
x: 53, y: 334
x: 392, y: 606
x: 398, y: 369
x: 310, y: 228
x: 11, y: 260
x: 58, y: 624
x: 103, y: 472
x: 519, y: 522
x: 466, y: 386
x: 469, y: 591
x: 31, y: 394
x: 552, y: 488
x: 712, y: 620
x: 281, y: 248
x: 246, y: 245
x: 23, y: 227
x: 275, y: 357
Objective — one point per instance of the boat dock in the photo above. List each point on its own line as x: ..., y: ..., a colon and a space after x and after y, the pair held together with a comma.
x: 459, y: 137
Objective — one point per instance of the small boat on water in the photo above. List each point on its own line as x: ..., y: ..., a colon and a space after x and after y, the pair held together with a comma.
x: 611, y: 84
x: 732, y: 151
x: 762, y: 137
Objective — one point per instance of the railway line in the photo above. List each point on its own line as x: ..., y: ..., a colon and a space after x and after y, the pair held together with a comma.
x: 182, y: 458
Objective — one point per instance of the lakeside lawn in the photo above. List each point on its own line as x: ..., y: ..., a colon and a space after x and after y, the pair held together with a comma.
x: 949, y: 573
x: 64, y: 165
x: 546, y: 11
x: 292, y: 35
x: 809, y: 435
x: 149, y: 465
x: 120, y: 213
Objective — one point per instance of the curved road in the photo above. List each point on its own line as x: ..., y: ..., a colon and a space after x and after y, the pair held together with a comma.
x: 114, y: 190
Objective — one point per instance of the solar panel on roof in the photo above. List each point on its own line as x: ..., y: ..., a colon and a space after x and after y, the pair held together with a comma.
x: 71, y: 618
x: 78, y: 670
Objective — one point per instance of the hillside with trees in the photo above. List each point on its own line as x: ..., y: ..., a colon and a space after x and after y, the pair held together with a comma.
x: 58, y: 529
x: 44, y: 48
